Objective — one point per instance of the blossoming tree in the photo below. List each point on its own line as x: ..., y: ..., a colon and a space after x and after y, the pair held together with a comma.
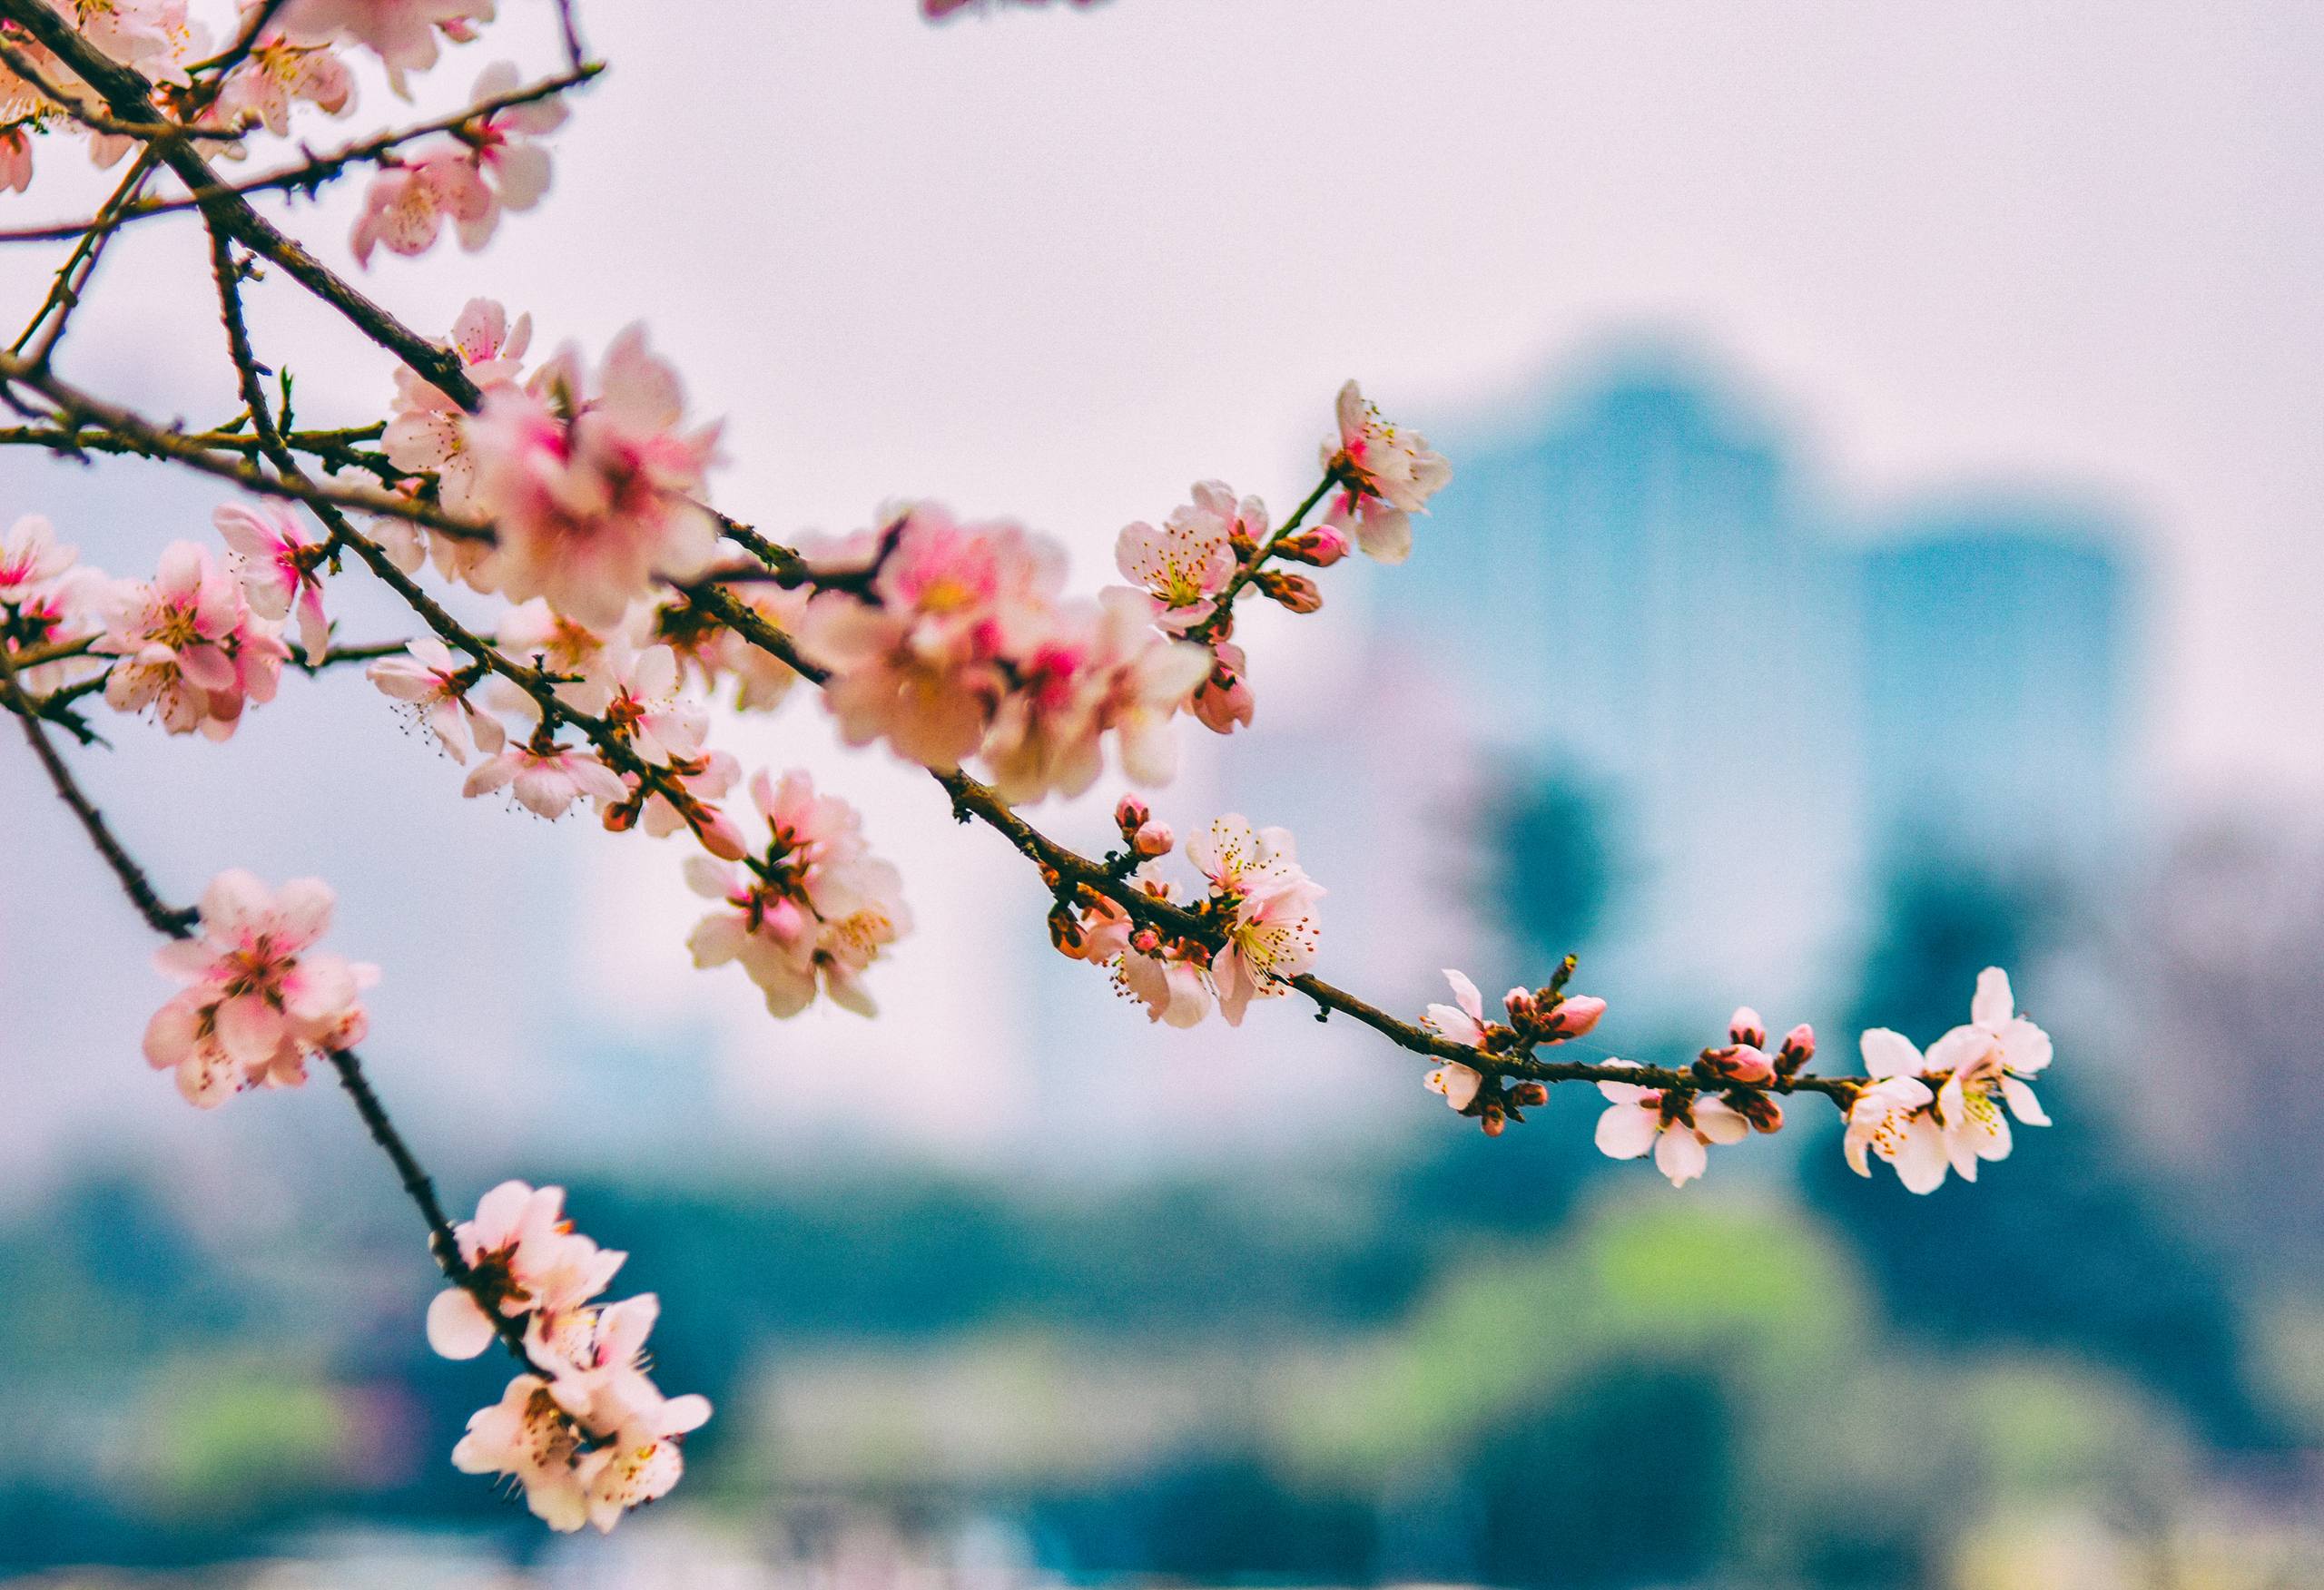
x: 575, y: 494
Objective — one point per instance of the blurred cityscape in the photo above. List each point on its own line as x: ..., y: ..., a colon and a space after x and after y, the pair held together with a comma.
x: 1670, y: 703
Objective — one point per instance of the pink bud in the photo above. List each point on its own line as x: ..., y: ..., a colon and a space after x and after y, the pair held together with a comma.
x: 1130, y: 814
x: 720, y: 836
x: 1154, y: 839
x: 1295, y: 592
x: 1746, y: 1027
x: 1799, y: 1049
x: 1320, y: 547
x: 1521, y: 1007
x: 1530, y: 1093
x: 1742, y: 1063
x: 1146, y: 941
x: 1763, y: 1113
x: 1573, y: 1016
x: 1496, y: 1120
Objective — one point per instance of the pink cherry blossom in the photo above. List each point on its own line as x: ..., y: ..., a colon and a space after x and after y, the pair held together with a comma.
x: 487, y: 166
x: 813, y: 910
x: 1175, y: 992
x: 1678, y: 1126
x: 591, y: 494
x: 276, y: 561
x: 427, y: 431
x: 640, y: 698
x: 522, y: 1254
x: 31, y: 557
x: 1462, y: 1021
x: 1987, y: 1062
x: 437, y: 687
x: 1097, y: 669
x: 1895, y: 1118
x: 278, y: 72
x: 529, y: 1436
x: 190, y: 646
x: 924, y: 659
x: 1268, y: 905
x: 1223, y: 701
x: 260, y: 998
x: 1185, y: 565
x: 547, y: 777
x: 402, y: 33
x: 1387, y: 475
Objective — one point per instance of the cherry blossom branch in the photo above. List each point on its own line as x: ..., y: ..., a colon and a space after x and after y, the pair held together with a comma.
x: 310, y: 174
x: 1067, y: 871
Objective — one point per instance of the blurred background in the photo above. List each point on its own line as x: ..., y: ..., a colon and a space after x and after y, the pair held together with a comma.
x: 1882, y: 545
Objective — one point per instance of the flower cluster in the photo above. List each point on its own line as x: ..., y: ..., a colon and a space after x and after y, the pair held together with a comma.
x: 1385, y: 475
x: 191, y: 645
x: 812, y: 909
x: 1680, y: 1124
x: 590, y: 486
x: 260, y: 999
x: 950, y: 640
x: 1252, y: 932
x: 1538, y: 1018
x: 1928, y: 1113
x: 585, y: 1431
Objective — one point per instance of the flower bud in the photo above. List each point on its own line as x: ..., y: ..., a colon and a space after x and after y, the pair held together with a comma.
x: 1146, y: 941
x: 1130, y: 814
x: 1746, y: 1027
x: 1799, y: 1049
x: 1152, y: 838
x: 1065, y: 931
x: 1495, y: 1121
x: 620, y: 816
x: 1763, y: 1114
x: 1738, y: 1063
x: 1571, y: 1016
x: 1523, y: 1008
x: 1526, y: 1094
x: 1298, y: 592
x: 718, y: 834
x: 1320, y: 547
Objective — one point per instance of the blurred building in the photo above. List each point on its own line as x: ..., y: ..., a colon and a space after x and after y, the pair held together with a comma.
x: 1639, y: 587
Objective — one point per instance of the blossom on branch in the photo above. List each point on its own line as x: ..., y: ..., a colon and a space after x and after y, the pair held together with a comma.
x: 276, y: 561
x: 190, y: 646
x: 812, y: 910
x: 525, y: 1262
x: 1188, y: 562
x: 1677, y: 1126
x: 261, y: 999
x: 591, y: 490
x: 437, y: 689
x: 280, y: 71
x: 547, y: 778
x: 402, y: 33
x: 1386, y: 475
x: 486, y: 164
x: 427, y: 431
